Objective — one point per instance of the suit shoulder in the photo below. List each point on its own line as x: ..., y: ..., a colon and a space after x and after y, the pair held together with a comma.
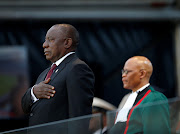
x: 78, y: 61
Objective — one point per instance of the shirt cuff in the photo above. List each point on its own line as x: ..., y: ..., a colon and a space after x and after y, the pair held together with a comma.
x: 33, y: 97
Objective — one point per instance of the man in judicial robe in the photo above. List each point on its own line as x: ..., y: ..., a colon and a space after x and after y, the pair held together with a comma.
x: 146, y: 110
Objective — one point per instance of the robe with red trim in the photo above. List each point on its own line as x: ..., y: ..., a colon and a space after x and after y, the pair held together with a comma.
x: 149, y: 115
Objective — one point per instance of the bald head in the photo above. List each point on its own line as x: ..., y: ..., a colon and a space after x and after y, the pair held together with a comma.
x: 142, y: 63
x: 69, y: 31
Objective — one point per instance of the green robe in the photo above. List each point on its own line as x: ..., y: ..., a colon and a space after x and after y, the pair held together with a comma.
x: 149, y: 115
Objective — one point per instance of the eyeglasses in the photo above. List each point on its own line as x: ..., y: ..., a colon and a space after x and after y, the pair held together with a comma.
x: 125, y: 71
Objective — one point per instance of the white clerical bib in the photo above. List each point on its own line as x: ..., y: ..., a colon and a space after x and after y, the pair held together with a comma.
x: 122, y: 114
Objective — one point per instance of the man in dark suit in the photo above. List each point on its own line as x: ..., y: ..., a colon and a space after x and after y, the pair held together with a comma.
x: 146, y: 110
x: 68, y: 92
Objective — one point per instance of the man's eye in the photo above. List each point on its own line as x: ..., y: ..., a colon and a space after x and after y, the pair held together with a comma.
x: 51, y: 39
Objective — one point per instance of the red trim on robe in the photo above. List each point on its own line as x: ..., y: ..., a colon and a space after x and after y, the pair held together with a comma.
x: 127, y: 123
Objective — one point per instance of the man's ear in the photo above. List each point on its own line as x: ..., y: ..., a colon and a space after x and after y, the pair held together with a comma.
x: 143, y: 73
x: 68, y: 43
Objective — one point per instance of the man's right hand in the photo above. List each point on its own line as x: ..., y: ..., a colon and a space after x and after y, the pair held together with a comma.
x: 44, y: 90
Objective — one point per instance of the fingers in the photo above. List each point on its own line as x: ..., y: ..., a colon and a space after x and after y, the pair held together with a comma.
x: 47, y: 81
x: 43, y: 90
x: 47, y: 95
x: 50, y: 95
x: 47, y: 86
x: 49, y: 92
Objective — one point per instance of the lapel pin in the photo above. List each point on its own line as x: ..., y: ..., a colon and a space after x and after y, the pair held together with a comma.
x: 56, y: 70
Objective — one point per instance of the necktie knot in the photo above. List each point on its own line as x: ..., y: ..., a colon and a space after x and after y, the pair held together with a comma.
x: 51, y: 71
x: 53, y: 67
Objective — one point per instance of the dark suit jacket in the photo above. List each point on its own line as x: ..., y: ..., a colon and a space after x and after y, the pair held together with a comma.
x: 149, y: 115
x: 74, y: 85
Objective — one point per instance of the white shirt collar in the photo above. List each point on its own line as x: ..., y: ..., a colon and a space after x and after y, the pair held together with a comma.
x: 142, y: 88
x: 62, y: 58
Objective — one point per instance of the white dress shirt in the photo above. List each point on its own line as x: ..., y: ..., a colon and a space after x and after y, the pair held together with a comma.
x: 33, y: 97
x: 123, y: 113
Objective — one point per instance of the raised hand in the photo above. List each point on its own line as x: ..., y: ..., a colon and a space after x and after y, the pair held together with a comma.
x: 44, y: 90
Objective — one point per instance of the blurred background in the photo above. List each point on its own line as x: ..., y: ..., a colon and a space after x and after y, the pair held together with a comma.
x: 111, y: 31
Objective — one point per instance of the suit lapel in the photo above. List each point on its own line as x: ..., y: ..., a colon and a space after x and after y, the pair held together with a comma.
x: 43, y: 75
x: 62, y: 65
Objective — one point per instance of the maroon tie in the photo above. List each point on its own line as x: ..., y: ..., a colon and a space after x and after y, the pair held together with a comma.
x: 51, y: 71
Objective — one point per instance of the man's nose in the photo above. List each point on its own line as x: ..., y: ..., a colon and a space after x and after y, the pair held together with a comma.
x: 45, y: 44
x: 123, y: 74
